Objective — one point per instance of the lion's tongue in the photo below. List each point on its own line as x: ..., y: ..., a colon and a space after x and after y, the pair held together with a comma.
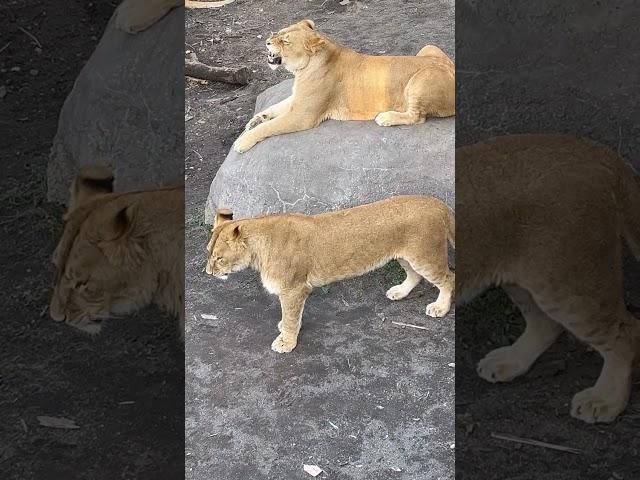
x: 274, y: 60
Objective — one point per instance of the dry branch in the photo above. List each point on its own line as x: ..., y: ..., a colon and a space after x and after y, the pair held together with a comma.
x: 196, y: 69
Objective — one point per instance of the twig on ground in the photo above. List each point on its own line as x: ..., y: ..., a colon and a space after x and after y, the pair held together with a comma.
x: 4, y: 48
x: 196, y: 69
x: 333, y: 424
x: 31, y: 36
x: 537, y: 443
x: 409, y: 325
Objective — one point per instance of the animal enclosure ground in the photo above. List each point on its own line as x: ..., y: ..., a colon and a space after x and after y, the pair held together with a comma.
x: 360, y: 396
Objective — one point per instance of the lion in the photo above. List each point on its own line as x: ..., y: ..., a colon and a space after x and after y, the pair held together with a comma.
x: 334, y: 82
x: 543, y: 216
x: 133, y: 16
x: 295, y: 253
x: 118, y: 252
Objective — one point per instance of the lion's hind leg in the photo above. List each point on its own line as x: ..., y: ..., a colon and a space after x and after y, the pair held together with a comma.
x: 400, y: 291
x: 433, y: 51
x: 429, y: 93
x: 506, y: 363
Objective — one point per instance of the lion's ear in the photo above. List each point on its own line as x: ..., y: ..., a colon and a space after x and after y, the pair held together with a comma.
x: 314, y: 43
x: 222, y: 215
x: 91, y: 182
x: 123, y: 238
x: 238, y: 235
x: 307, y: 23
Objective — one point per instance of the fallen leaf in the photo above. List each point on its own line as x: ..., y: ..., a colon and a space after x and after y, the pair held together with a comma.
x: 57, y: 422
x: 345, y: 2
x: 313, y: 470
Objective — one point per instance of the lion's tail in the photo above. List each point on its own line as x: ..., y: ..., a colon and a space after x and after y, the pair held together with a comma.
x: 451, y: 227
x: 630, y: 203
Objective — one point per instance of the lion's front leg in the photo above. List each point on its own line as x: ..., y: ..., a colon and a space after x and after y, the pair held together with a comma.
x: 287, y: 123
x: 292, y: 305
x: 270, y: 113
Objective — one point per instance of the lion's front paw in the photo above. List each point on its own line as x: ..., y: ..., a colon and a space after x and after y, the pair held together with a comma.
x: 594, y: 406
x: 134, y: 16
x: 500, y: 365
x: 436, y: 310
x: 243, y: 143
x: 256, y: 120
x: 281, y: 346
x: 396, y: 293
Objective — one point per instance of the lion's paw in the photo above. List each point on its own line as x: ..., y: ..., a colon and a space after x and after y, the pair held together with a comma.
x: 384, y: 119
x: 436, y: 310
x: 594, y: 406
x: 500, y: 365
x: 243, y: 143
x: 281, y: 346
x: 134, y: 16
x: 396, y: 293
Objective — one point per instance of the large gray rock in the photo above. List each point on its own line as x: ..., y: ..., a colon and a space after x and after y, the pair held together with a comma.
x: 336, y: 165
x: 125, y: 111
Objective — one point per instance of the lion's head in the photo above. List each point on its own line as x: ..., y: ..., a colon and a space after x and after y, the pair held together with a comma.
x: 294, y: 46
x: 227, y: 247
x: 100, y: 259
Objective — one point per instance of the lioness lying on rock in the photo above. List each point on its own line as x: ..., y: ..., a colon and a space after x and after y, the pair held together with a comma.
x: 118, y: 252
x: 295, y: 253
x: 334, y: 82
x: 543, y: 216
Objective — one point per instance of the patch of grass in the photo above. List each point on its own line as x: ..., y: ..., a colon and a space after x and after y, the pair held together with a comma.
x: 394, y: 272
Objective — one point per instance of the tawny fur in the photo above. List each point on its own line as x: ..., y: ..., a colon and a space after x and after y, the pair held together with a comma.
x: 544, y: 216
x: 134, y: 16
x: 295, y: 253
x: 118, y: 253
x: 335, y: 82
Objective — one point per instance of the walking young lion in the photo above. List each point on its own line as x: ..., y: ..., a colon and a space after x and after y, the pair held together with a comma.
x: 118, y: 252
x: 335, y: 82
x: 543, y: 216
x: 295, y: 253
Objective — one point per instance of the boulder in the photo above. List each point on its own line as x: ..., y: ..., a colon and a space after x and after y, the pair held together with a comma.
x: 336, y: 165
x: 124, y: 109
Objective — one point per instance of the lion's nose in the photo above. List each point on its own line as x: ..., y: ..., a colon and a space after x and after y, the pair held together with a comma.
x: 269, y: 42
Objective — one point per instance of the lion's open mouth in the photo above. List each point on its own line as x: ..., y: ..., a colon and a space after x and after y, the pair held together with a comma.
x: 274, y: 60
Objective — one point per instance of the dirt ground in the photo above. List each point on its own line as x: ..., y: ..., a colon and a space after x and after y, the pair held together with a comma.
x: 123, y: 388
x: 359, y: 396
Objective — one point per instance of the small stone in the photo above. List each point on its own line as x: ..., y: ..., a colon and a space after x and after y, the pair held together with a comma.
x: 3, y: 91
x: 33, y: 71
x: 15, y: 69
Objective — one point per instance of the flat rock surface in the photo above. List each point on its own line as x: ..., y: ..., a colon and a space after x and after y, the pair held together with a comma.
x: 336, y: 165
x: 123, y: 111
x: 360, y: 397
